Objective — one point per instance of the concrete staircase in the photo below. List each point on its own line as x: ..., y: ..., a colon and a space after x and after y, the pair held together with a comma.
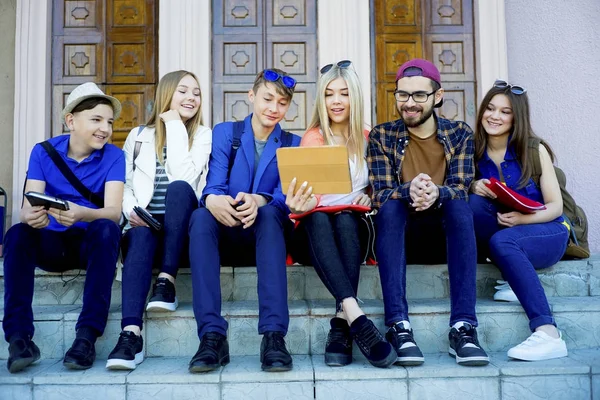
x: 573, y: 288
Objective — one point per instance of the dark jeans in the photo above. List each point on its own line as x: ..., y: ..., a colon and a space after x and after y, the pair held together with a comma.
x: 167, y: 249
x: 94, y: 249
x: 444, y: 234
x: 263, y: 245
x: 518, y: 251
x: 333, y: 246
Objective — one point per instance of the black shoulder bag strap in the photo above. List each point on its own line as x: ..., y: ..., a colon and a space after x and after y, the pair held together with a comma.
x: 96, y: 199
x: 138, y: 145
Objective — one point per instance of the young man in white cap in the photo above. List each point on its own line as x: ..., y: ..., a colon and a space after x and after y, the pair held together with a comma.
x: 89, y: 174
x: 420, y: 167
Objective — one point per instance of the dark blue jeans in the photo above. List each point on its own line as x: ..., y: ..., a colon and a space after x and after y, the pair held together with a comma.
x: 518, y: 251
x: 94, y: 249
x: 145, y: 248
x: 431, y: 236
x: 333, y: 245
x: 263, y: 245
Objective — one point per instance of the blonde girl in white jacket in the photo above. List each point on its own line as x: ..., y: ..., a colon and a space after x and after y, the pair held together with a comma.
x: 167, y: 163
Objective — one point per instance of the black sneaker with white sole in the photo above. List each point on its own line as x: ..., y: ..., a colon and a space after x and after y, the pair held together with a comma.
x: 465, y: 347
x: 128, y: 353
x: 163, y: 296
x: 400, y: 336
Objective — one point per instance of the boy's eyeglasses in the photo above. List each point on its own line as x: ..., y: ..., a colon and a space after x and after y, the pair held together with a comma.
x: 518, y: 90
x: 273, y: 76
x: 418, y: 97
x: 340, y: 64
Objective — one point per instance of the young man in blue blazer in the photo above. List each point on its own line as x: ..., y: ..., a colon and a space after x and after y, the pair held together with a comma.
x: 243, y: 220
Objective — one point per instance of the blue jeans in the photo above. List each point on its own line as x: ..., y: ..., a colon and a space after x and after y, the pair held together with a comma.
x: 518, y: 251
x: 167, y: 249
x: 263, y: 245
x: 94, y: 249
x: 333, y: 245
x: 426, y: 236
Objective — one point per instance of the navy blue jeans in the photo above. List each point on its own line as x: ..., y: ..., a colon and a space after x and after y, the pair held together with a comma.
x: 145, y: 248
x: 94, y: 249
x: 333, y: 245
x: 431, y: 236
x: 518, y: 251
x: 263, y: 245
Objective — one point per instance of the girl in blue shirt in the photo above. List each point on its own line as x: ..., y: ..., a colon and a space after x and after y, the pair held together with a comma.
x: 518, y: 243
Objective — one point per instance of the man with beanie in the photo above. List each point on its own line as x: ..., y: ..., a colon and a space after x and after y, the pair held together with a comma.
x: 87, y: 173
x: 420, y: 168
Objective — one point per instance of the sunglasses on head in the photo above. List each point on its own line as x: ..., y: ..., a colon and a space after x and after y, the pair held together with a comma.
x: 273, y: 76
x: 340, y: 64
x: 518, y: 90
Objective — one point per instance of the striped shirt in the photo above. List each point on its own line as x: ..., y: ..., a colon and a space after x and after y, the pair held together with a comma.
x: 161, y: 181
x: 386, y: 150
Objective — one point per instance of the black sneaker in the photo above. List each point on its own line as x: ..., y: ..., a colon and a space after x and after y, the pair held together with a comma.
x: 21, y: 353
x: 401, y: 338
x: 273, y: 353
x: 212, y: 353
x: 465, y: 347
x: 338, y: 351
x: 371, y: 343
x: 128, y: 353
x: 163, y: 296
x: 81, y: 355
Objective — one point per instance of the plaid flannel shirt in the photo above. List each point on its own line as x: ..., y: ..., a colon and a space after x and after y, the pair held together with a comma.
x: 386, y: 152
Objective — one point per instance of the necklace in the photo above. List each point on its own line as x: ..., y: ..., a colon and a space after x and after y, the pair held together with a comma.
x: 335, y: 136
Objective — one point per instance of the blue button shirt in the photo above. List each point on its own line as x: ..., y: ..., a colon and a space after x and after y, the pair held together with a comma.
x: 105, y: 165
x: 511, y: 171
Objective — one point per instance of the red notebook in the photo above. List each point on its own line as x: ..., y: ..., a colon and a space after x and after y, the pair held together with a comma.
x: 512, y: 199
x: 333, y: 209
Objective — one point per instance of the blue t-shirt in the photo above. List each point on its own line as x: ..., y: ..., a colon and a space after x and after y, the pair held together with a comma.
x: 105, y: 165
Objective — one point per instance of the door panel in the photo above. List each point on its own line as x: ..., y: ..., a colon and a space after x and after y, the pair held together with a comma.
x: 445, y: 37
x: 249, y: 36
x: 112, y: 43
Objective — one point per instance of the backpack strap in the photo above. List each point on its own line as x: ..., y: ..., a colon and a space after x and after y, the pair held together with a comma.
x: 94, y: 198
x: 238, y: 131
x: 534, y: 152
x: 138, y: 145
x: 286, y: 138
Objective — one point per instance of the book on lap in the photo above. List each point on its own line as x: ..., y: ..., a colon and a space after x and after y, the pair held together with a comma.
x: 512, y: 199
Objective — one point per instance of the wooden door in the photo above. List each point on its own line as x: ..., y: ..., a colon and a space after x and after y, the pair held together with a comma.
x: 112, y: 43
x: 251, y: 35
x: 438, y: 30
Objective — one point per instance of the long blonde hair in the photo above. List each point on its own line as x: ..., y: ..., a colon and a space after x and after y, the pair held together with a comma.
x: 162, y: 103
x: 320, y: 118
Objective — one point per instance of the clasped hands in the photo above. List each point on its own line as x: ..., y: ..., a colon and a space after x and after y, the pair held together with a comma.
x: 423, y: 192
x: 234, y: 212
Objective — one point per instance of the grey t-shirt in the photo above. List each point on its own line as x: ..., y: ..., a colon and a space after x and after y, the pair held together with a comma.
x: 259, y: 147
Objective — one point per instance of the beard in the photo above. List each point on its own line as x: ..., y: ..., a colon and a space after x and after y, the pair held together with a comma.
x: 426, y: 113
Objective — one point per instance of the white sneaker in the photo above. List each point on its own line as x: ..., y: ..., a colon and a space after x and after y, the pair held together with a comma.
x: 504, y: 292
x: 539, y: 346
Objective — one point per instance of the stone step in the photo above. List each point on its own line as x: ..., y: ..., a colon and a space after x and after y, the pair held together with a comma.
x: 501, y: 326
x: 565, y: 279
x: 576, y: 377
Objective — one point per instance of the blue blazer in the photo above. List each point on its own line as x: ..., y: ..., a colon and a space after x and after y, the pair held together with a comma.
x: 266, y: 182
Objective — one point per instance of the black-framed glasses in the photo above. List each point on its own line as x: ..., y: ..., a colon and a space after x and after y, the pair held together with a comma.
x: 418, y: 97
x: 273, y: 76
x: 518, y: 90
x: 340, y: 64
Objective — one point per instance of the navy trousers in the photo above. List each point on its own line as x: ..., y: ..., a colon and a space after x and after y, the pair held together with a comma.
x: 263, y: 245
x: 94, y: 249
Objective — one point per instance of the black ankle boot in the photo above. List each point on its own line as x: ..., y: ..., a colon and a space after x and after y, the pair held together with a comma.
x: 371, y: 343
x: 338, y: 351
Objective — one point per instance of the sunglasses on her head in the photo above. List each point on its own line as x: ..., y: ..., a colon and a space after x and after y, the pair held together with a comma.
x: 340, y: 64
x: 273, y: 76
x: 518, y: 90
